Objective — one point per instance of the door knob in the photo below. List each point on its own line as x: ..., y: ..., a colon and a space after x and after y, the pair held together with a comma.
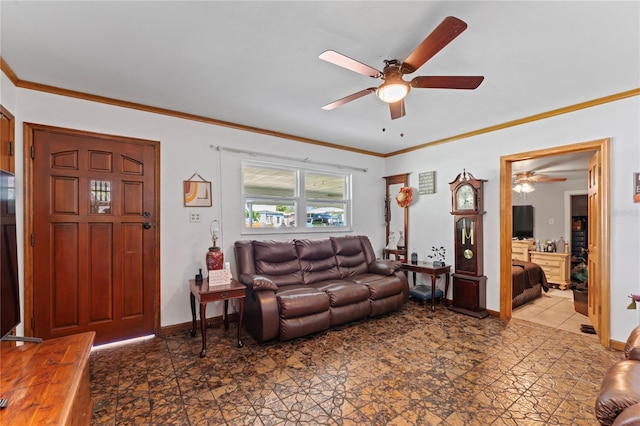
x: 146, y: 225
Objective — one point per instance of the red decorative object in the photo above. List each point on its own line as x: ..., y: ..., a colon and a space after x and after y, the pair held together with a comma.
x: 215, y: 258
x: 405, y: 196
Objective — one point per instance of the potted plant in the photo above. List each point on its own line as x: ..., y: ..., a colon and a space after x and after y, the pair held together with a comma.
x: 437, y: 255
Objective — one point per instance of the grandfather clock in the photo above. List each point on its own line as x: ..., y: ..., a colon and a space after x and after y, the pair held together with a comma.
x: 469, y: 282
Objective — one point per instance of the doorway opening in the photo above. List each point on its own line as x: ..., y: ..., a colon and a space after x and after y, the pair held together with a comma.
x: 599, y: 236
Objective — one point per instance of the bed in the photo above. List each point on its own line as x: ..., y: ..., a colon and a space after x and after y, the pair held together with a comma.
x: 528, y: 281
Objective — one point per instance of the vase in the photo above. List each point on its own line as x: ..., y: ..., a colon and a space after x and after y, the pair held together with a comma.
x: 401, y: 240
x: 215, y: 258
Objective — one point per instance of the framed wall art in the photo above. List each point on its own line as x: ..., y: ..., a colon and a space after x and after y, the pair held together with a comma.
x: 197, y: 192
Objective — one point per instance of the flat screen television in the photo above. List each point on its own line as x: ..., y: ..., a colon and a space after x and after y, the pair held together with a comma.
x: 9, y: 290
x: 522, y: 222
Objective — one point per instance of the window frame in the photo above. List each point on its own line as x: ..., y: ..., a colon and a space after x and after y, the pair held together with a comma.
x: 298, y: 200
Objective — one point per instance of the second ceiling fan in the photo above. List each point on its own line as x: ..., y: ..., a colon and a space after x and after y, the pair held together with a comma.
x: 395, y: 88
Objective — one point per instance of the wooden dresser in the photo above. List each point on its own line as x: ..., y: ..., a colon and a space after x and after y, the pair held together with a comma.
x: 47, y: 383
x: 556, y: 267
x: 520, y: 249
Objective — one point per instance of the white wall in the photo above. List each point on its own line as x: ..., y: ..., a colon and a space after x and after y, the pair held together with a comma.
x: 431, y: 223
x: 185, y: 147
x: 549, y: 206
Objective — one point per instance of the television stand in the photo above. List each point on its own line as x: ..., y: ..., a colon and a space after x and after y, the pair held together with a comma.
x: 21, y: 339
x: 47, y: 383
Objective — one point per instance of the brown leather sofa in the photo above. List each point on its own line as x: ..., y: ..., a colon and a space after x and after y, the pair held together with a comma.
x: 299, y: 287
x: 618, y: 403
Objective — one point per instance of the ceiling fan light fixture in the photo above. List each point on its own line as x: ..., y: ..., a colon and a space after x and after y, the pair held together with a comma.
x: 523, y: 188
x: 393, y: 90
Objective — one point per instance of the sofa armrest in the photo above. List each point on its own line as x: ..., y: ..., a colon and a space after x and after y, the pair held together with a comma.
x: 258, y: 282
x: 632, y: 347
x: 384, y: 266
x: 628, y: 417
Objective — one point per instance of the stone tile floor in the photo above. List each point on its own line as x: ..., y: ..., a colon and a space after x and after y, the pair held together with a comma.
x: 411, y: 367
x: 555, y: 309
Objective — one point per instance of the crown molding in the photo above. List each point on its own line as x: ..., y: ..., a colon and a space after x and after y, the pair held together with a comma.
x: 163, y: 111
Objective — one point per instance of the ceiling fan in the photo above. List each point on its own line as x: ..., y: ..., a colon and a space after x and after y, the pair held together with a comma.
x: 395, y: 88
x: 523, y: 181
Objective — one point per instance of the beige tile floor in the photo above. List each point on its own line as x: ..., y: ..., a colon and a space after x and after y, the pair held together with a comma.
x: 554, y: 309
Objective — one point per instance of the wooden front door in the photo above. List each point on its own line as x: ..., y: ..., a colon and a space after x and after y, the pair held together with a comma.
x: 593, y: 235
x: 94, y: 236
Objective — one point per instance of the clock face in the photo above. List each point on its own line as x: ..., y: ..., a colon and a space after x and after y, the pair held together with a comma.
x: 465, y: 198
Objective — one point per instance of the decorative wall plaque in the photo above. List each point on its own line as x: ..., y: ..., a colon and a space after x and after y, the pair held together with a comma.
x: 427, y: 183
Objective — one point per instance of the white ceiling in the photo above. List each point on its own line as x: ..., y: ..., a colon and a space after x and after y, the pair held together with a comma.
x: 256, y: 63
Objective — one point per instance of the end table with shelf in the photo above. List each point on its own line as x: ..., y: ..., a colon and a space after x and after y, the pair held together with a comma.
x: 201, y: 292
x: 434, y: 271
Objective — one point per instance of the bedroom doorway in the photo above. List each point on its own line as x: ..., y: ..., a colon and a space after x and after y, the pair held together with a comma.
x: 599, y: 302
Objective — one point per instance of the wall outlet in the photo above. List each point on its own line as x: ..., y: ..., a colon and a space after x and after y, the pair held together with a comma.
x: 551, y: 221
x: 194, y: 217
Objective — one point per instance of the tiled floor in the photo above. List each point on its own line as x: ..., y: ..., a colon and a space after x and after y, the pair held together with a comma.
x: 554, y: 309
x: 412, y: 367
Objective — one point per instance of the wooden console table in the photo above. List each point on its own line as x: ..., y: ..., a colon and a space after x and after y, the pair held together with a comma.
x: 47, y: 383
x: 434, y: 271
x: 204, y: 295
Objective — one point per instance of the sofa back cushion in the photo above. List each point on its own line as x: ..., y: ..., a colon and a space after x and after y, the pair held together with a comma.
x: 317, y: 260
x: 278, y: 261
x: 349, y: 256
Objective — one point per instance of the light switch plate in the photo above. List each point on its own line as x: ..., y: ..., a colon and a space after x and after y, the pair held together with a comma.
x: 194, y: 217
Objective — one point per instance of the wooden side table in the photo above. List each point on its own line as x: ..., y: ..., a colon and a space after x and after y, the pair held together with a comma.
x: 434, y: 271
x: 204, y: 295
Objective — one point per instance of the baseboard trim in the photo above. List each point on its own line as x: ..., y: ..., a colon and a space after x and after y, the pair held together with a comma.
x: 186, y: 326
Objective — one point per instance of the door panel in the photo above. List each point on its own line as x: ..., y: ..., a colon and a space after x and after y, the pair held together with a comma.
x: 593, y: 233
x: 94, y: 263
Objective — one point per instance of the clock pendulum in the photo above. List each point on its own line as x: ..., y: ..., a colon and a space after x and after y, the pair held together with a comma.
x: 469, y: 282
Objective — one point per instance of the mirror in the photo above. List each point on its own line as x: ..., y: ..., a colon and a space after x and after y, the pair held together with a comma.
x: 396, y: 218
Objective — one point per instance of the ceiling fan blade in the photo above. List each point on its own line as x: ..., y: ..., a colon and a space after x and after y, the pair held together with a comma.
x: 348, y: 63
x: 550, y: 179
x: 447, y: 82
x: 444, y: 33
x: 397, y: 109
x: 349, y: 98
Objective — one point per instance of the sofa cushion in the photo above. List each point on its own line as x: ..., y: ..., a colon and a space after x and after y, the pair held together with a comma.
x: 299, y: 300
x: 620, y: 389
x: 317, y: 261
x: 632, y: 347
x: 278, y: 261
x: 343, y: 292
x: 349, y: 256
x: 380, y: 286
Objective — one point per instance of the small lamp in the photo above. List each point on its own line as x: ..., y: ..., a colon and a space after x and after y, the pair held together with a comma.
x: 214, y: 228
x: 634, y: 298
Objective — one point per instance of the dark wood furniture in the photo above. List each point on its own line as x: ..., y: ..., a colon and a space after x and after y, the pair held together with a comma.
x: 469, y: 282
x: 48, y: 382
x: 434, y: 271
x: 398, y: 254
x: 200, y: 291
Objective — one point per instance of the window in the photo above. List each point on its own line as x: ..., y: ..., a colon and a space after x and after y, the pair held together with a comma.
x: 280, y: 198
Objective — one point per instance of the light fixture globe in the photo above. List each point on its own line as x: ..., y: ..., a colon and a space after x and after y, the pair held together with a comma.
x: 393, y: 90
